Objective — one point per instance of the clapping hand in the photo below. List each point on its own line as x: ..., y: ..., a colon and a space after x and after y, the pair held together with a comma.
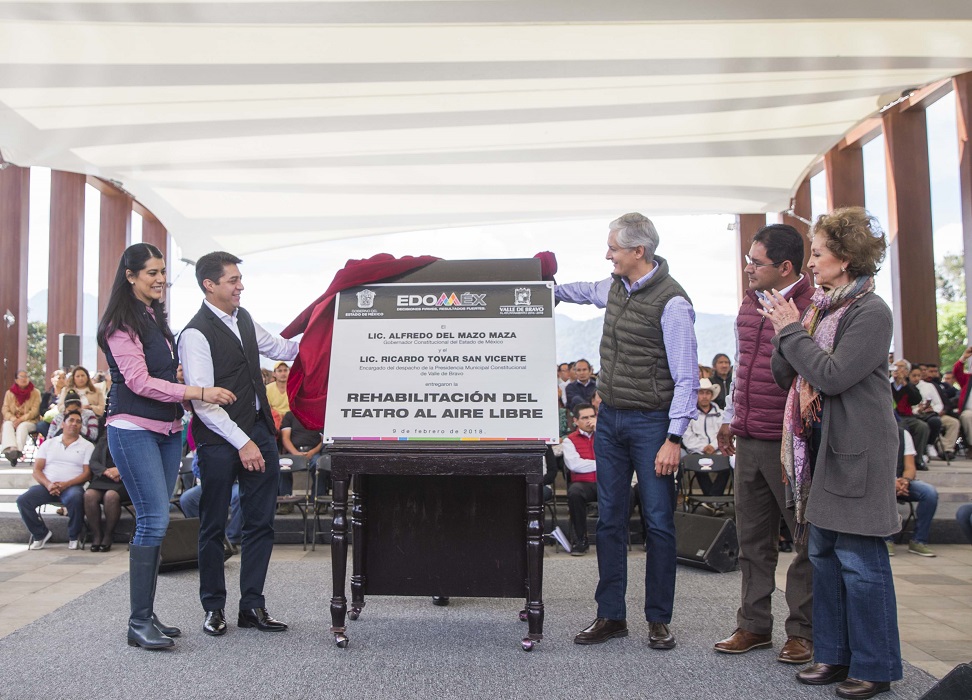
x: 780, y: 311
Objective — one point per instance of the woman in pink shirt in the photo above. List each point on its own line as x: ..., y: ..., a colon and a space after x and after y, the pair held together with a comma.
x: 144, y: 421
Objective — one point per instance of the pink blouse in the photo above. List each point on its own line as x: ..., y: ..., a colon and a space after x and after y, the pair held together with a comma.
x: 130, y: 357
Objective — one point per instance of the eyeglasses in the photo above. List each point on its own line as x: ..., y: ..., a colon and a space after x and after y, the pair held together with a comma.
x: 752, y: 263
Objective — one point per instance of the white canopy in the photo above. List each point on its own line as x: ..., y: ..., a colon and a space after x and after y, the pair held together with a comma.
x: 255, y: 124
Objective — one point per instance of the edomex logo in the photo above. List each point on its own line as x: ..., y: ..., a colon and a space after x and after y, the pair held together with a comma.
x: 466, y: 299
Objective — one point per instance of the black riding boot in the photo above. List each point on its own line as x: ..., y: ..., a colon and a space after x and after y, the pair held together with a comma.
x: 143, y: 570
x: 167, y: 630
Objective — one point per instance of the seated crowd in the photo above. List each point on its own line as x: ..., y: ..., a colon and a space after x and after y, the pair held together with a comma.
x: 931, y: 410
x: 73, y: 467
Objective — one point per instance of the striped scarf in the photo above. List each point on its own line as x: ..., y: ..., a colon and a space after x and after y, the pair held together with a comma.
x: 804, y: 403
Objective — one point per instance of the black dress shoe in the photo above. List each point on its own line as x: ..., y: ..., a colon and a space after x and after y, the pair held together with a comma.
x: 659, y: 636
x: 95, y: 548
x: 853, y: 688
x: 440, y: 600
x: 822, y: 674
x: 260, y: 618
x: 215, y: 623
x: 601, y: 630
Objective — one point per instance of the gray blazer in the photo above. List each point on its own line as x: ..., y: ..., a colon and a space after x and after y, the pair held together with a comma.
x: 853, y: 481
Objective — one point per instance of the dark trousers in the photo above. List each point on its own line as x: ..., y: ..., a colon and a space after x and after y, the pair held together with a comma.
x: 579, y: 494
x: 219, y: 467
x: 759, y: 498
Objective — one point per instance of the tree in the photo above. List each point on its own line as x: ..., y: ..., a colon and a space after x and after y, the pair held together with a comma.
x: 37, y: 353
x: 951, y: 331
x: 950, y: 278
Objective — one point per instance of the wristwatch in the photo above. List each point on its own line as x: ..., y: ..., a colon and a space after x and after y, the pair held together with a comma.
x: 677, y: 439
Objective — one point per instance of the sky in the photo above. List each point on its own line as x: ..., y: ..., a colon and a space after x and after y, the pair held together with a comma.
x: 701, y: 250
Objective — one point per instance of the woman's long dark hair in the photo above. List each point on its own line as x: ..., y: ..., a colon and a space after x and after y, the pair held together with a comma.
x: 123, y: 311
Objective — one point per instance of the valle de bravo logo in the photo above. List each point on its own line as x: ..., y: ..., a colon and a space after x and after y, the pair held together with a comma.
x: 443, y: 300
x: 521, y: 296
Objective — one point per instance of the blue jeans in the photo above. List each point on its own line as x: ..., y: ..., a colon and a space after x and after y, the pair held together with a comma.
x: 627, y: 442
x: 855, y: 619
x: 926, y: 497
x: 30, y: 500
x: 189, y: 503
x: 149, y: 466
x: 964, y: 517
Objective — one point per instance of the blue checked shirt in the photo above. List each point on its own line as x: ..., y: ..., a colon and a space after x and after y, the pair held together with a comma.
x: 678, y: 328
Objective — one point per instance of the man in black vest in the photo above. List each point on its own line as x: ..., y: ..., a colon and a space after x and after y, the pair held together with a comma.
x: 221, y: 346
x: 648, y: 387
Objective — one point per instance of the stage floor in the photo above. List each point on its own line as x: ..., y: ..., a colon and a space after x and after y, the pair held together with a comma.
x: 70, y: 609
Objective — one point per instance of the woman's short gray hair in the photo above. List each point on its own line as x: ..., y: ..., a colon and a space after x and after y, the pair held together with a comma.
x: 635, y: 230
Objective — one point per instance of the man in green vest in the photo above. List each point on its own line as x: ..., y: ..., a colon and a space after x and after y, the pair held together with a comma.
x: 648, y: 387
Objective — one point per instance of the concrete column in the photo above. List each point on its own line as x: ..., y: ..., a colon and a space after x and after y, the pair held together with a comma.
x: 66, y: 260
x: 845, y: 176
x: 746, y: 227
x: 963, y: 103
x: 14, y: 211
x: 801, y: 215
x: 116, y: 235
x: 910, y: 235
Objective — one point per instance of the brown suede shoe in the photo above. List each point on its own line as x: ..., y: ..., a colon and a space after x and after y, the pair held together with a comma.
x: 822, y: 674
x: 797, y: 650
x: 853, y: 688
x: 601, y: 630
x: 741, y: 641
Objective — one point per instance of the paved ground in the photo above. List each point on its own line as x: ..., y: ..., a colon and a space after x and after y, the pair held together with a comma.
x: 934, y: 594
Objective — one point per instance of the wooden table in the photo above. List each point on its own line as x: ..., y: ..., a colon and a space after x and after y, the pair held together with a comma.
x: 438, y: 519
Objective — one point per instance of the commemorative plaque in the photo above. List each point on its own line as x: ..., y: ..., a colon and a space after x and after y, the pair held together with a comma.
x: 447, y: 361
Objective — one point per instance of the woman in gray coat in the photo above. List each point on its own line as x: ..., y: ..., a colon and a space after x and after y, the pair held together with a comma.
x: 839, y: 452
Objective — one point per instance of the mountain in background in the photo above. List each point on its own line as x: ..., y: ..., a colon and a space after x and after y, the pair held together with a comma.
x: 581, y: 339
x: 575, y: 339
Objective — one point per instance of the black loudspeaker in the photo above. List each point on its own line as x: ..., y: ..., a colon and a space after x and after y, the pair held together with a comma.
x: 180, y: 548
x: 957, y: 685
x: 706, y: 542
x: 69, y: 349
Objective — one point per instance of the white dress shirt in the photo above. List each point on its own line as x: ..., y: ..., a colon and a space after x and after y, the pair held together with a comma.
x: 572, y: 459
x: 197, y: 368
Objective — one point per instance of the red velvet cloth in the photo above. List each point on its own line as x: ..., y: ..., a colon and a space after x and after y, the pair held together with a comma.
x: 307, y: 385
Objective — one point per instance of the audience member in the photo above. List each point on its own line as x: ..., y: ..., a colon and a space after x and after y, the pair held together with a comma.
x: 89, y: 421
x: 267, y: 376
x: 581, y: 390
x: 940, y: 424
x: 580, y: 461
x: 908, y: 488
x: 964, y: 517
x: 924, y: 410
x: 705, y: 372
x: 48, y: 403
x: 964, y: 405
x: 563, y: 379
x: 21, y: 405
x: 80, y: 381
x: 721, y: 377
x: 277, y: 389
x: 906, y: 395
x: 60, y: 468
x: 702, y: 437
x: 298, y: 440
x: 946, y: 390
x: 105, y: 490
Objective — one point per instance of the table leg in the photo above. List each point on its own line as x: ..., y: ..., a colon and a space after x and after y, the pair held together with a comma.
x: 339, y: 560
x: 534, y: 603
x: 359, y: 517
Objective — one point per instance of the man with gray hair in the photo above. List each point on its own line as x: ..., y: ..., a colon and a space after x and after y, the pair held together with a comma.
x: 647, y: 385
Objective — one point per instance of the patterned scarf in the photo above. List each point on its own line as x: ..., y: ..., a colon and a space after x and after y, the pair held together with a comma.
x: 21, y: 394
x: 803, y: 402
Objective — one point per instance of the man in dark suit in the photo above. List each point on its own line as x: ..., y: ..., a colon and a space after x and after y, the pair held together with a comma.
x: 221, y: 346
